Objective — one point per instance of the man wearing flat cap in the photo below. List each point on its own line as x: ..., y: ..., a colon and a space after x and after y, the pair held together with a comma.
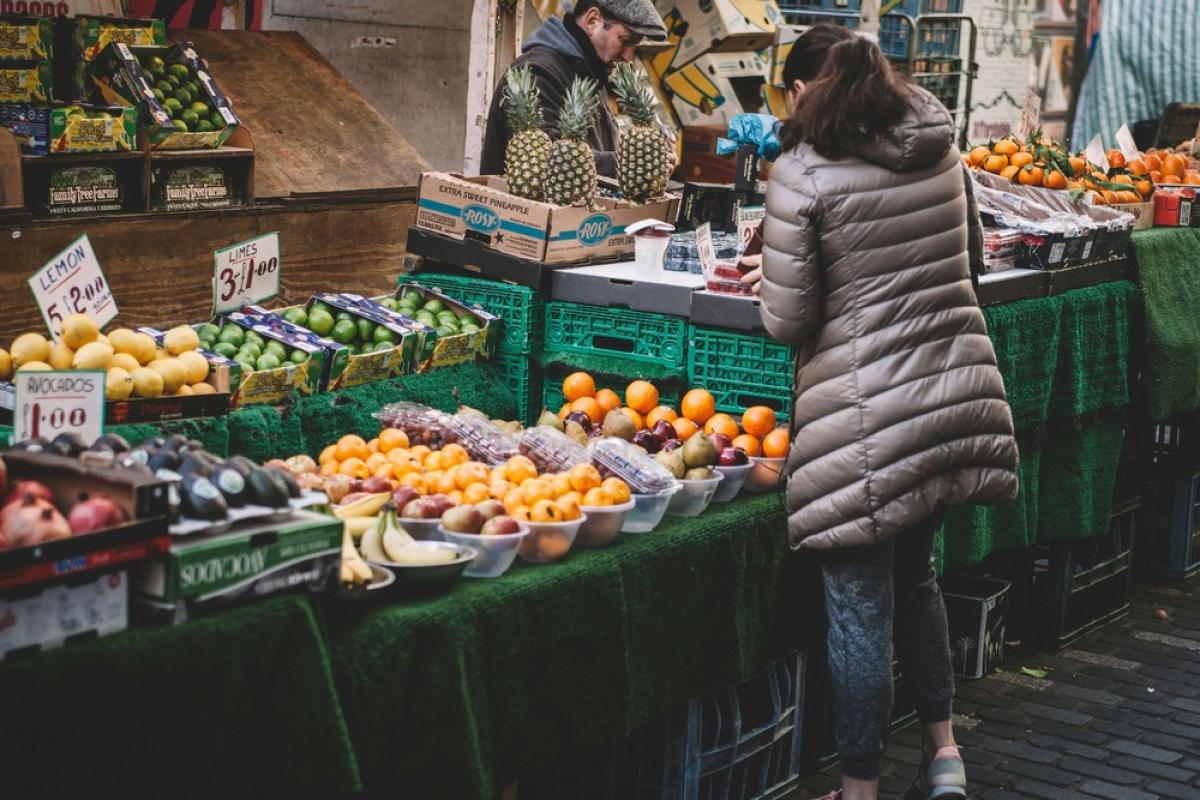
x: 588, y: 41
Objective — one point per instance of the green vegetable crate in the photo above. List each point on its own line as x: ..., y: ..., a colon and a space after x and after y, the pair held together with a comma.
x: 520, y: 309
x: 523, y: 376
x: 741, y: 370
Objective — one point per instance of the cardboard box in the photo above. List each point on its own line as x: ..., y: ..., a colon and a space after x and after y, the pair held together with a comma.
x: 481, y: 209
x: 54, y: 616
x: 256, y: 560
x: 201, y: 180
x: 79, y: 184
x: 275, y: 386
x: 716, y: 87
x: 701, y: 164
x: 723, y: 310
x: 463, y: 348
x: 26, y: 38
x: 30, y: 125
x: 93, y: 34
x: 1143, y: 214
x: 785, y: 37
x: 976, y: 610
x: 96, y: 130
x: 26, y: 82
x: 717, y: 204
x: 702, y: 26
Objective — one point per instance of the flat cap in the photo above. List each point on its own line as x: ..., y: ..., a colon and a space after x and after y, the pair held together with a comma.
x: 637, y: 15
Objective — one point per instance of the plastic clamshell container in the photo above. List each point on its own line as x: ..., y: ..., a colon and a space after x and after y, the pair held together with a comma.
x: 480, y: 438
x: 630, y: 463
x: 694, y: 497
x: 766, y: 475
x: 496, y: 553
x: 648, y: 510
x: 735, y: 477
x: 550, y: 541
x: 552, y: 450
x: 422, y: 424
x: 603, y: 524
x: 423, y: 530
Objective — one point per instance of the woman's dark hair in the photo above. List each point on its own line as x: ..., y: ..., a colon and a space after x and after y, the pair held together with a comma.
x: 851, y: 92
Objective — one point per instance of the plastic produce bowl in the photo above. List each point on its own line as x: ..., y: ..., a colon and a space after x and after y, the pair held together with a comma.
x: 550, y: 541
x: 429, y: 579
x: 496, y: 553
x: 766, y: 475
x: 603, y: 524
x: 423, y: 530
x: 695, y: 497
x: 648, y: 510
x: 734, y: 478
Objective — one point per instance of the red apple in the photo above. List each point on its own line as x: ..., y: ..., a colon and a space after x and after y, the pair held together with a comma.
x: 403, y: 495
x: 421, y: 508
x: 672, y: 444
x: 664, y: 430
x: 500, y: 526
x: 463, y: 519
x: 582, y: 419
x: 647, y: 441
x: 376, y: 484
x: 490, y: 508
x: 732, y: 457
x: 719, y: 441
x: 442, y: 502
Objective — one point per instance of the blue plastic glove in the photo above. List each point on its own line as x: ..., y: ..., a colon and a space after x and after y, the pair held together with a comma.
x: 756, y: 129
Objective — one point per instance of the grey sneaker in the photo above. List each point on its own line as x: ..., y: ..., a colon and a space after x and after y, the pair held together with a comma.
x: 944, y: 777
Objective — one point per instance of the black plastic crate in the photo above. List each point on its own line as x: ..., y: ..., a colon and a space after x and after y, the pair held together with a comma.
x: 1132, y: 468
x: 1082, y: 584
x: 1170, y: 540
x: 977, y: 613
x: 1176, y: 442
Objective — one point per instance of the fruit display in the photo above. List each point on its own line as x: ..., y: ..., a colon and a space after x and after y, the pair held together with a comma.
x: 1165, y: 167
x: 359, y: 334
x: 643, y: 166
x: 445, y: 316
x: 250, y: 349
x: 485, y: 440
x: 455, y: 333
x: 571, y: 168
x: 136, y: 365
x: 528, y: 149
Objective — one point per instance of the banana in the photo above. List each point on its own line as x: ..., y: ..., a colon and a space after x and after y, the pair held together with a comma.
x: 357, y: 526
x: 421, y: 555
x: 371, y: 545
x: 395, y: 546
x: 367, y: 506
x: 353, y: 569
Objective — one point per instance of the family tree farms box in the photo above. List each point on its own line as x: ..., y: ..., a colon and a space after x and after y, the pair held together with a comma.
x: 69, y: 184
x: 26, y: 38
x: 26, y: 82
x: 482, y: 209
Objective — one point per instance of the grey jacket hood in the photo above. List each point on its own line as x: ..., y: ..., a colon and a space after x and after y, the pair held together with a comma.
x: 554, y: 35
x: 918, y: 142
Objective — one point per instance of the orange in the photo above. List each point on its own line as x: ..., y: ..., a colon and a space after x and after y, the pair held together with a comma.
x: 660, y: 412
x: 392, y: 438
x: 635, y: 416
x: 518, y: 469
x: 608, y: 400
x: 1030, y: 175
x: 1053, y: 179
x: 775, y: 443
x: 400, y: 469
x: 1020, y: 159
x: 561, y: 483
x: 698, y: 405
x: 355, y: 467
x: 1122, y: 178
x: 1152, y: 162
x: 433, y: 462
x: 455, y: 453
x: 373, y: 446
x: 420, y: 451
x: 1156, y: 176
x: 514, y: 498
x: 641, y: 396
x: 476, y: 493
x: 351, y: 446
x: 1009, y: 172
x: 749, y: 444
x: 456, y: 497
x: 575, y: 497
x: 1116, y: 159
x: 499, y: 489
x: 589, y: 406
x: 520, y: 512
x: 1144, y: 187
x: 383, y: 471
x: 1129, y: 196
x: 617, y: 488
x: 1175, y: 166
x: 598, y: 497
x: 416, y: 480
x: 1192, y: 178
x: 330, y: 467
x: 721, y: 423
x: 577, y: 385
x: 375, y: 461
x: 569, y: 507
x: 584, y: 477
x: 758, y: 420
x: 977, y: 155
x: 1097, y: 198
x: 445, y: 482
x: 564, y: 410
x: 470, y: 473
x: 327, y: 455
x: 1110, y: 196
x: 1136, y: 167
x: 1006, y: 147
x: 537, y: 489
x: 684, y: 428
x: 1078, y: 166
x: 546, y: 511
x: 995, y: 163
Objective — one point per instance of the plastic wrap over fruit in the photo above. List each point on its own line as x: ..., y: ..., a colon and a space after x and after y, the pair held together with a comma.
x: 756, y: 129
x: 482, y: 440
x: 424, y: 425
x: 631, y: 463
x: 552, y: 450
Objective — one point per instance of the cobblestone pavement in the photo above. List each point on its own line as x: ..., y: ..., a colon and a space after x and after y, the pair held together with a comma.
x: 1116, y: 716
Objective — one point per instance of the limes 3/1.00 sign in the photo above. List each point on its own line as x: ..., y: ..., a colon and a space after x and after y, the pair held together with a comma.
x: 246, y: 273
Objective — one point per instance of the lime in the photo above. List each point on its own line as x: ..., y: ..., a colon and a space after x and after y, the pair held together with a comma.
x: 344, y: 331
x: 192, y: 87
x: 172, y: 106
x: 445, y: 331
x: 369, y: 347
x: 425, y: 318
x: 217, y: 120
x: 157, y: 74
x: 201, y: 108
x: 204, y: 126
x: 390, y: 303
x: 173, y: 81
x: 181, y: 126
x: 225, y: 349
x: 275, y: 347
x: 434, y: 306
x: 154, y: 62
x: 341, y: 315
x: 413, y: 296
x: 366, y: 329
x: 320, y: 321
x: 232, y: 334
x: 158, y: 94
x: 165, y: 87
x: 351, y: 350
x: 253, y: 348
x: 208, y: 331
x: 188, y: 117
x: 268, y: 361
x: 297, y: 316
x: 320, y: 306
x: 180, y: 71
x: 247, y: 366
x: 184, y: 96
x: 384, y: 334
x: 254, y: 336
x: 298, y: 357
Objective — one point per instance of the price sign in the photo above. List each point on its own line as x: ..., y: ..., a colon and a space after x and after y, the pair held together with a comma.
x: 1126, y: 145
x: 1030, y: 113
x: 72, y: 283
x: 246, y: 273
x: 1095, y: 154
x: 705, y: 249
x: 59, y: 401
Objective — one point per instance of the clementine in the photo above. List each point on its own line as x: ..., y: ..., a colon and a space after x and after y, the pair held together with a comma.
x: 327, y: 455
x: 577, y: 385
x: 775, y: 443
x: 617, y: 488
x: 608, y: 400
x: 660, y: 412
x: 758, y: 420
x: 684, y: 428
x: 589, y: 406
x: 638, y: 422
x: 698, y: 405
x: 351, y: 446
x: 641, y: 396
x: 392, y: 438
x: 584, y: 477
x: 749, y: 444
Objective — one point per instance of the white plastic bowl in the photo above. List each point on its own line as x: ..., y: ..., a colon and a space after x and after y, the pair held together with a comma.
x: 735, y: 476
x: 550, y: 541
x: 423, y: 530
x: 766, y: 475
x: 496, y: 553
x: 695, y: 497
x: 648, y: 510
x: 603, y: 524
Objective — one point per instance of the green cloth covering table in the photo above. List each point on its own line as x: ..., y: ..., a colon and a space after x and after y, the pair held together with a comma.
x: 1168, y: 262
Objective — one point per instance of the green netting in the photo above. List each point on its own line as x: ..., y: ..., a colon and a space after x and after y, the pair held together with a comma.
x: 264, y: 432
x: 1168, y: 261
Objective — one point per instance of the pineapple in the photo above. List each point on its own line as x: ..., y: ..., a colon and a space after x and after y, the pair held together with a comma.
x: 642, y: 161
x: 571, y: 170
x: 529, y: 147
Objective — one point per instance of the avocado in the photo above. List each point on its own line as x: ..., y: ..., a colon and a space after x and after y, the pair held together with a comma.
x: 233, y: 486
x: 200, y: 499
x: 267, y: 489
x: 289, y: 480
x: 243, y: 465
x: 69, y: 444
x: 196, y: 464
x: 111, y: 442
x: 163, y: 458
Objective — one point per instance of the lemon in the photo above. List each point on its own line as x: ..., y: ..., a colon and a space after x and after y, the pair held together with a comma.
x: 5, y: 365
x: 173, y: 373
x: 146, y: 349
x: 123, y: 340
x: 124, y: 361
x: 181, y: 339
x: 30, y: 347
x: 93, y: 355
x: 146, y: 382
x: 184, y: 391
x: 34, y: 366
x: 78, y: 330
x: 118, y: 385
x: 61, y: 356
x: 195, y: 364
x: 203, y: 388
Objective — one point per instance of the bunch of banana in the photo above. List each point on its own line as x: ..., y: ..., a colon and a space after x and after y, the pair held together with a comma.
x: 389, y: 542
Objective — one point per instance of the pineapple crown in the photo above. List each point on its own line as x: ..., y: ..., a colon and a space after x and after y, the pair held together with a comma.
x: 522, y: 102
x: 580, y: 105
x: 633, y: 96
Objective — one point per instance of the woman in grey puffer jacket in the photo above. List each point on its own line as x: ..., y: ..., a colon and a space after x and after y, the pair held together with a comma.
x: 900, y: 411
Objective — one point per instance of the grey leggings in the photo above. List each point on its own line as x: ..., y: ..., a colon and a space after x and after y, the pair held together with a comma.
x: 862, y: 587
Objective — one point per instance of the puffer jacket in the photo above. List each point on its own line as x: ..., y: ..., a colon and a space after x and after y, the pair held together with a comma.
x: 899, y: 407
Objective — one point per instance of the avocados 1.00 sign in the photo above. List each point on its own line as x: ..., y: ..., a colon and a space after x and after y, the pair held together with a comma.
x: 246, y: 273
x: 59, y: 401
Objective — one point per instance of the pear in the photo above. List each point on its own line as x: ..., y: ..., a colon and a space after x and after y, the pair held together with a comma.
x: 672, y: 460
x: 551, y: 419
x: 576, y: 432
x: 698, y: 451
x: 617, y: 423
x: 698, y: 474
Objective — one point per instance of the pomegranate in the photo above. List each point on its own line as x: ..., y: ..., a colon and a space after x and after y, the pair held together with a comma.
x: 21, y: 489
x: 95, y: 514
x: 32, y: 521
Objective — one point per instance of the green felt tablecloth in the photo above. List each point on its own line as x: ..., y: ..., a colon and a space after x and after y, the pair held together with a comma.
x: 241, y: 704
x: 1168, y: 262
x: 456, y: 696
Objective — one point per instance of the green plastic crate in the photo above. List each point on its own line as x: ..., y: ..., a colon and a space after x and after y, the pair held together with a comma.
x: 520, y: 307
x: 636, y: 335
x: 741, y: 370
x: 523, y: 376
x: 552, y: 395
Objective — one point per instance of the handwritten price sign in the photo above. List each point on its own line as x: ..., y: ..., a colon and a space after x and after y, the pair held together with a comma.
x: 73, y: 283
x: 246, y: 273
x: 53, y: 402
